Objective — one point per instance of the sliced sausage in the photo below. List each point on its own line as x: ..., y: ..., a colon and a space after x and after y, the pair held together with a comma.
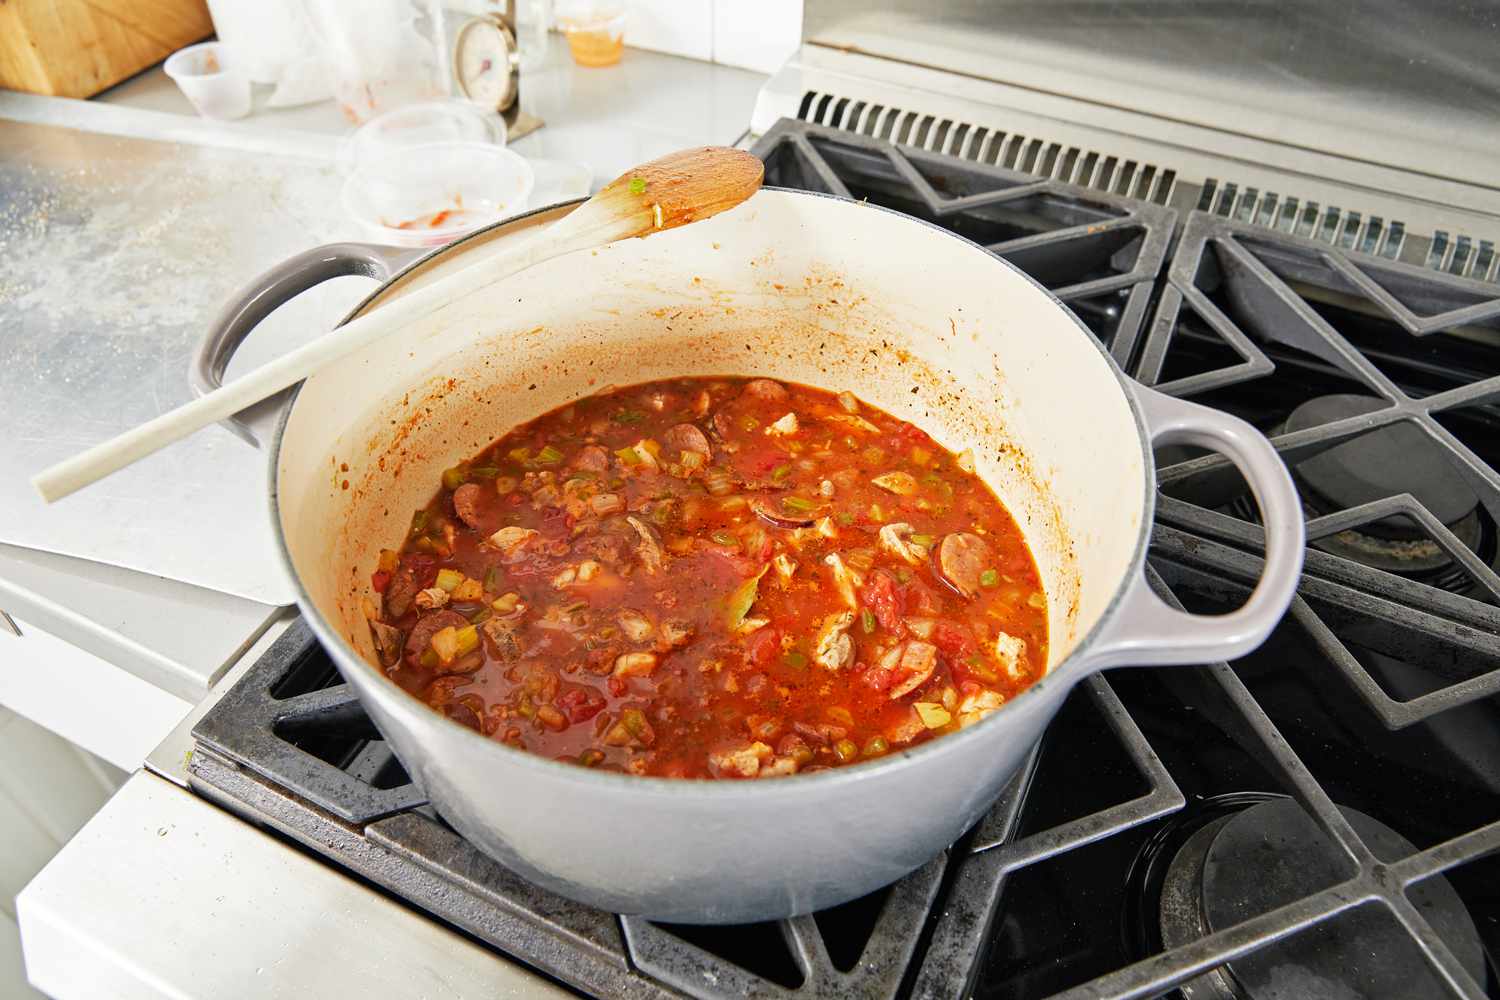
x: 765, y: 389
x: 428, y: 626
x: 779, y: 519
x: 466, y: 504
x: 962, y: 557
x: 592, y: 458
x: 685, y: 437
x: 415, y: 573
x: 462, y: 714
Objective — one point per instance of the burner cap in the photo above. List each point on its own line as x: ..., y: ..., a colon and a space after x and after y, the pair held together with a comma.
x: 1274, y: 853
x: 1397, y: 458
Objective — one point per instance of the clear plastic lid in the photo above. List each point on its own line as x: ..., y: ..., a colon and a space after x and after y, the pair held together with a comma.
x: 422, y: 124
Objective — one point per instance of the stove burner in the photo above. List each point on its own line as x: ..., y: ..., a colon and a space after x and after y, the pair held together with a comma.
x: 1273, y: 853
x: 1394, y: 459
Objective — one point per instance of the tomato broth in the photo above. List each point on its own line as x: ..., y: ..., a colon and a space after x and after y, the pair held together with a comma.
x: 712, y: 578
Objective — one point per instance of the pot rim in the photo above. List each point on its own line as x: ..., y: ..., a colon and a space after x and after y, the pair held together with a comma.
x: 1058, y: 680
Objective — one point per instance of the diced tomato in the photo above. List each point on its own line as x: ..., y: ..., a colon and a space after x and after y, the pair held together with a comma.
x: 877, y: 679
x: 952, y: 639
x: 762, y: 646
x: 881, y: 595
x: 380, y: 579
x: 618, y: 687
x: 580, y: 705
x: 920, y: 600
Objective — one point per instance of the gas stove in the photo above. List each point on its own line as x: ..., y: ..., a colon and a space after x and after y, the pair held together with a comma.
x: 1318, y: 819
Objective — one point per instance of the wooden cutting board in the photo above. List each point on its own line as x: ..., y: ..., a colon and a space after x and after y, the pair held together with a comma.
x: 76, y: 48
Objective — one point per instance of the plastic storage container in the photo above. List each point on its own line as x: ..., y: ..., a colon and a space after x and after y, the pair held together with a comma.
x: 209, y: 77
x: 432, y: 193
x: 595, y: 30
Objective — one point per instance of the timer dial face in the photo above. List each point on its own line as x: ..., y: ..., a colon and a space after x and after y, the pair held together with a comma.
x: 485, y: 62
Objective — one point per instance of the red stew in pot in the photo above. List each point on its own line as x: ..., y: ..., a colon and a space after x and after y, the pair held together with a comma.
x: 712, y: 578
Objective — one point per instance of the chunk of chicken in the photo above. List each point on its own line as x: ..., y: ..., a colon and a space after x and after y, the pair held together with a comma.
x: 673, y: 634
x: 918, y: 660
x: 900, y: 483
x: 784, y: 566
x: 502, y: 635
x: 779, y: 767
x: 834, y: 649
x: 851, y: 420
x: 962, y: 560
x: 431, y: 598
x: 636, y: 626
x: 511, y: 539
x: 845, y: 579
x: 387, y: 641
x: 783, y: 426
x: 648, y: 548
x: 1010, y: 653
x: 635, y: 664
x: 894, y: 538
x: 976, y: 706
x: 742, y: 762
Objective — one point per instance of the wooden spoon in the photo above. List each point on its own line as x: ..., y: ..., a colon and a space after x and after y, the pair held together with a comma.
x: 663, y: 194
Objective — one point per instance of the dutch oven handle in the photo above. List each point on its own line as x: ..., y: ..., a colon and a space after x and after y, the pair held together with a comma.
x: 1144, y: 629
x: 270, y: 290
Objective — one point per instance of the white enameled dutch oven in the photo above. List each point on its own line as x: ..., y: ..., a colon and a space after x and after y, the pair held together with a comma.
x: 794, y: 286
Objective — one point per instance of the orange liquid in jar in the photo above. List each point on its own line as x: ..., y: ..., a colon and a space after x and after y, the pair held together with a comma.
x: 595, y: 46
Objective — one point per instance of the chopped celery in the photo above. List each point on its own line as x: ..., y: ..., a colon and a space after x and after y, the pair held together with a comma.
x: 629, y: 417
x: 923, y: 539
x: 468, y: 640
x: 844, y: 518
x: 449, y: 579
x: 445, y: 643
x: 419, y: 522
x: 799, y: 505
x: 725, y: 538
x: 492, y: 579
x: 989, y: 578
x: 781, y: 472
x: 795, y: 659
x: 628, y: 456
x: 876, y: 746
x: 634, y: 721
x: 455, y: 477
x: 484, y: 472
x: 548, y: 456
x: 867, y: 620
x: 933, y: 715
x: 737, y: 605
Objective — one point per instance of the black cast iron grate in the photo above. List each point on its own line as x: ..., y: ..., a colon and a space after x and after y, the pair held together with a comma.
x: 1098, y: 252
x: 1376, y: 693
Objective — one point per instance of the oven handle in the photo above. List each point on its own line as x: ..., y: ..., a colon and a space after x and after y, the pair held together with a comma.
x: 1144, y: 629
x: 267, y: 292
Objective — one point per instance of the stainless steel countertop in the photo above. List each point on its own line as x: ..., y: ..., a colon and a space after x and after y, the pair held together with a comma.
x: 605, y: 119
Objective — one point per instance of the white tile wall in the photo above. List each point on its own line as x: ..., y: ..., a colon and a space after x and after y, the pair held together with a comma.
x: 753, y: 34
x: 48, y: 790
x: 756, y: 34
